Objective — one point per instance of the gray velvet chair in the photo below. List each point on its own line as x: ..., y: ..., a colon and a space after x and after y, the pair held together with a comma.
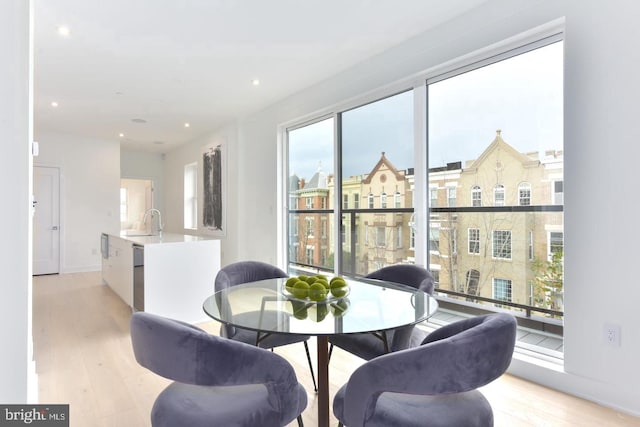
x: 370, y: 345
x: 251, y: 271
x: 434, y: 384
x: 217, y: 382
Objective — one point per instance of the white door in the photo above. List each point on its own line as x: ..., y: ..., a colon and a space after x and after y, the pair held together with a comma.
x: 46, y: 220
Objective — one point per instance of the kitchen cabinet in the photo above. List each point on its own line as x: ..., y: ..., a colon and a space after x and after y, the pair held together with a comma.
x: 118, y: 273
x: 179, y: 273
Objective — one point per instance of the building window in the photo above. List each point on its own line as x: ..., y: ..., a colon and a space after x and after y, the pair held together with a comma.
x: 345, y: 201
x: 191, y: 196
x: 412, y: 238
x: 502, y: 244
x: 531, y: 253
x: 451, y: 196
x: 502, y: 290
x: 397, y: 200
x: 476, y: 196
x: 434, y: 239
x: 309, y: 230
x: 474, y: 240
x: 558, y: 192
x: 370, y: 201
x: 323, y: 230
x: 383, y: 200
x: 296, y: 225
x: 356, y: 201
x: 473, y: 280
x: 433, y: 197
x: 556, y: 242
x: 498, y: 195
x: 310, y: 254
x: 309, y: 202
x: 381, y: 238
x: 323, y: 203
x: 524, y: 194
x: 398, y: 237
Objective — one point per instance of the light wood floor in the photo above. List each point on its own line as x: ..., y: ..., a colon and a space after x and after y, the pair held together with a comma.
x: 84, y: 358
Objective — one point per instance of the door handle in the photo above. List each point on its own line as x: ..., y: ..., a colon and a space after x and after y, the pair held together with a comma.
x: 55, y: 227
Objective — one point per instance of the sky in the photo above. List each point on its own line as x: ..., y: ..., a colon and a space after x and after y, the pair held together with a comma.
x: 521, y: 96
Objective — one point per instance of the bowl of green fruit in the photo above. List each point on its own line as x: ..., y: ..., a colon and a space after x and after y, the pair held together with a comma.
x: 318, y: 288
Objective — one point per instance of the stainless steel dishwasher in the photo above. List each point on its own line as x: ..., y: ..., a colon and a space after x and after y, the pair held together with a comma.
x: 138, y: 277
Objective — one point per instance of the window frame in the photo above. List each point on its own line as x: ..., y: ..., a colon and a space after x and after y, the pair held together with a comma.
x: 531, y: 40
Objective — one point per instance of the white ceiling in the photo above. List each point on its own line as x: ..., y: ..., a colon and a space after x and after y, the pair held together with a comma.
x: 174, y: 61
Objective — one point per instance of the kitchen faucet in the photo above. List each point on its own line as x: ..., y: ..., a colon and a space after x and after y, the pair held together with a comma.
x: 151, y: 212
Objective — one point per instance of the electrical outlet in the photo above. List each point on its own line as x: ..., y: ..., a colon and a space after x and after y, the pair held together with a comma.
x: 611, y: 334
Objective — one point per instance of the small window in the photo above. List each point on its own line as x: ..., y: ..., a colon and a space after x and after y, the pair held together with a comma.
x: 502, y: 244
x: 370, y: 201
x: 451, y: 196
x: 434, y: 239
x: 474, y: 240
x: 383, y: 200
x: 309, y: 202
x: 356, y: 201
x: 502, y: 290
x: 556, y: 242
x: 558, y: 192
x: 191, y: 196
x: 309, y: 230
x: 476, y: 196
x: 433, y: 197
x: 524, y: 194
x: 398, y: 237
x: 381, y: 238
x: 498, y: 195
x: 345, y: 201
x: 397, y: 200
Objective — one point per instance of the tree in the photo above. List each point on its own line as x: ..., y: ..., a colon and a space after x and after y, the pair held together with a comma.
x: 549, y: 282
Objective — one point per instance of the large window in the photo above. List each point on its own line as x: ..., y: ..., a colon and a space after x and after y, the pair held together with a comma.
x: 497, y: 125
x: 492, y: 127
x: 310, y: 164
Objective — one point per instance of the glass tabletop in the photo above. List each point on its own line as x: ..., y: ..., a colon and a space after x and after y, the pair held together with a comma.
x: 370, y: 305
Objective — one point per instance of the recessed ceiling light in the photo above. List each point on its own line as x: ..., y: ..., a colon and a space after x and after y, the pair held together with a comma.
x: 138, y: 120
x: 121, y: 135
x: 255, y: 82
x: 63, y: 30
x: 187, y: 125
x: 54, y: 104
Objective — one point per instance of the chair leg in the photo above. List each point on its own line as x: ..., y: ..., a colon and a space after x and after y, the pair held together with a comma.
x: 313, y: 377
x: 300, y: 424
x: 330, y: 351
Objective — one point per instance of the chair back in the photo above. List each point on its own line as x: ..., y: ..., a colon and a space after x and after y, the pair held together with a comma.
x: 406, y: 274
x: 189, y: 355
x: 243, y: 272
x: 455, y: 358
x: 410, y: 275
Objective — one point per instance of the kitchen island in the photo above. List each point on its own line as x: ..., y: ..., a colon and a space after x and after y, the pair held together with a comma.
x: 168, y: 274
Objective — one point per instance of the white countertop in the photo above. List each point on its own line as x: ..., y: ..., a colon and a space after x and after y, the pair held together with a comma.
x: 145, y: 239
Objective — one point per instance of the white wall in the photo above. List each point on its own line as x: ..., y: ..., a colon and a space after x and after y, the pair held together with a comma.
x: 176, y: 160
x: 15, y: 187
x: 142, y: 165
x: 89, y: 195
x: 600, y: 165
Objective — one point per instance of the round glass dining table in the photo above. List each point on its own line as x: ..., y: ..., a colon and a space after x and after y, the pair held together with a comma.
x: 369, y: 306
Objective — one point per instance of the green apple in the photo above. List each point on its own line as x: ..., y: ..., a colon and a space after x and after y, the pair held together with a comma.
x: 317, y: 292
x: 301, y: 289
